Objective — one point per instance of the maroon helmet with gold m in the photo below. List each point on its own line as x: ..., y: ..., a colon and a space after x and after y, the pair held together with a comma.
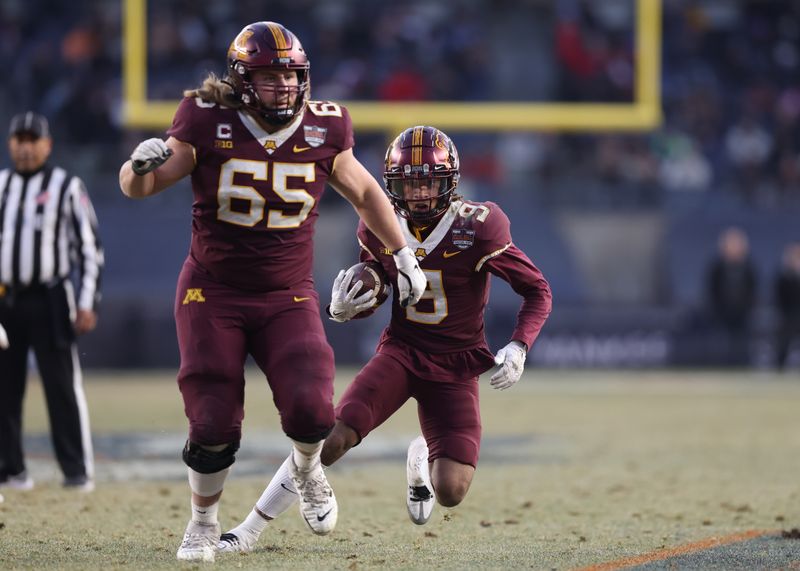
x: 419, y: 157
x: 268, y: 45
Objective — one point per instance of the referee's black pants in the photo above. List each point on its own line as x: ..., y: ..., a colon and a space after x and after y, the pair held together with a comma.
x: 39, y: 318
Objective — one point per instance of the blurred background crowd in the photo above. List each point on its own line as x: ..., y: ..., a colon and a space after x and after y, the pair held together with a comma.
x: 624, y: 225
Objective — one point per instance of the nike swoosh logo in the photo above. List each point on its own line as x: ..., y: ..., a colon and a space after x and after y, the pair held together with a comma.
x: 299, y: 299
x: 451, y: 254
x: 297, y: 149
x: 285, y: 487
x: 323, y: 516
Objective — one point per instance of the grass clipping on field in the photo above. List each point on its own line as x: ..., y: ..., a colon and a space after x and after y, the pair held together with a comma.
x: 602, y: 468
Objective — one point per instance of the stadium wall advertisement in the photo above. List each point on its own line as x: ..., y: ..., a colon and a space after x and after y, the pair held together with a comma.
x: 135, y: 335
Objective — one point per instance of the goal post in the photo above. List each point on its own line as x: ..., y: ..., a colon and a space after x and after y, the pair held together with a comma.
x: 643, y: 113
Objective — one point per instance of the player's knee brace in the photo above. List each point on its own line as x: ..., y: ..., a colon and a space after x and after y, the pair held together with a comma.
x: 206, y: 461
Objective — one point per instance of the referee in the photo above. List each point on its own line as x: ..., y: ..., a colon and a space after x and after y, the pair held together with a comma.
x: 48, y: 235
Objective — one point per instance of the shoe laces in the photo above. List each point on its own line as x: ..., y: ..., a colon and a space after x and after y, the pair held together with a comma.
x: 191, y: 540
x: 419, y: 460
x: 199, y: 537
x: 314, y: 490
x: 416, y: 465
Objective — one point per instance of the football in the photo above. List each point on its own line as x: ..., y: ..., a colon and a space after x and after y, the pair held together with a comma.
x: 374, y: 278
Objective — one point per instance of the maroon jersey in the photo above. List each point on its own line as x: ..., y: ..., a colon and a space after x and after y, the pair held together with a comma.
x: 256, y: 194
x: 470, y: 241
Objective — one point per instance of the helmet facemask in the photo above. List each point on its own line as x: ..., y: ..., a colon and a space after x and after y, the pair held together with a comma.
x: 272, y: 110
x: 420, y: 197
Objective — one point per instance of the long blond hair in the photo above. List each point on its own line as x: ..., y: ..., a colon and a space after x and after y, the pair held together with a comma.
x: 217, y: 90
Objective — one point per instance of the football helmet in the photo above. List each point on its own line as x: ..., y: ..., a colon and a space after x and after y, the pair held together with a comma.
x: 268, y: 45
x: 421, y: 158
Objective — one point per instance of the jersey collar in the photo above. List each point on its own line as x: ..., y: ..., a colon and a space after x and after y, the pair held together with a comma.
x: 433, y: 239
x: 270, y: 141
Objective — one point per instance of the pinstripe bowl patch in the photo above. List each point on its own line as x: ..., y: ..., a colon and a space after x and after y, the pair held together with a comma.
x: 314, y: 136
x: 463, y: 238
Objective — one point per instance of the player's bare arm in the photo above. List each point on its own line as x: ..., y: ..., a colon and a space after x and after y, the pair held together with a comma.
x: 159, y: 164
x: 350, y: 179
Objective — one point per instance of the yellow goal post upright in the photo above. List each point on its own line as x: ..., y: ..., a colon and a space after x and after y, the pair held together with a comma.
x: 642, y: 114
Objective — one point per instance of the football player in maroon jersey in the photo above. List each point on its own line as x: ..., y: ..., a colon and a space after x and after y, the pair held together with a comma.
x: 259, y: 153
x: 432, y: 352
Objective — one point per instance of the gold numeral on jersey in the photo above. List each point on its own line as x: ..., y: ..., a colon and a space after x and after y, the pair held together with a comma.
x: 324, y: 109
x: 468, y: 210
x: 280, y: 175
x: 250, y: 204
x: 434, y: 291
x: 227, y: 192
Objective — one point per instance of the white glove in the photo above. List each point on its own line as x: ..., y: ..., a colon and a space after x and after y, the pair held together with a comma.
x: 411, y: 281
x: 344, y: 303
x: 149, y: 155
x: 3, y: 338
x: 511, y: 360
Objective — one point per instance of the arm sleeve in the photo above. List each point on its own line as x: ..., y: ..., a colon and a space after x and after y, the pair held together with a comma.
x: 525, y: 279
x: 86, y: 244
x: 509, y: 263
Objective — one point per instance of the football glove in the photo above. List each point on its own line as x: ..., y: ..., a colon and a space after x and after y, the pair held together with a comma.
x: 149, y: 155
x: 411, y: 281
x: 344, y: 303
x: 3, y: 338
x: 511, y: 360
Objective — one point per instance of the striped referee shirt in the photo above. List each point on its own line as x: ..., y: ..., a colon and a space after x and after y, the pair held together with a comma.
x: 48, y: 228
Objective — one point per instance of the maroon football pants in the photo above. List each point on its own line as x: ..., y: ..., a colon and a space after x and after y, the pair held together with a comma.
x: 449, y: 412
x: 218, y: 326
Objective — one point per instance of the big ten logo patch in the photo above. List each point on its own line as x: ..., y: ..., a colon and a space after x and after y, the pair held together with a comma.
x: 194, y: 294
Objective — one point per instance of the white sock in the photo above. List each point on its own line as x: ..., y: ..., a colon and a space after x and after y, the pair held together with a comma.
x: 205, y: 515
x: 253, y: 524
x: 306, y: 456
x: 279, y: 494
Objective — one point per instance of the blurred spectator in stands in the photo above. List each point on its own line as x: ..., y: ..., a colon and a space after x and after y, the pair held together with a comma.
x: 732, y: 284
x: 787, y: 142
x: 625, y: 159
x: 403, y: 83
x: 594, y: 63
x: 683, y: 166
x: 748, y: 146
x: 787, y: 297
x: 718, y: 57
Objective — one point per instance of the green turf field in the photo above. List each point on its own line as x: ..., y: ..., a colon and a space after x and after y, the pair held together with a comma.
x: 578, y: 468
